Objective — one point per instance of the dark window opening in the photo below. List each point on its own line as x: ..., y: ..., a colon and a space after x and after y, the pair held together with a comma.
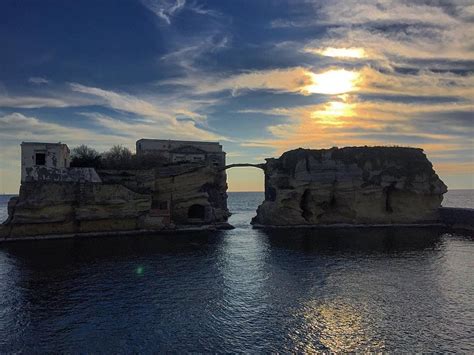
x: 196, y: 211
x: 40, y: 159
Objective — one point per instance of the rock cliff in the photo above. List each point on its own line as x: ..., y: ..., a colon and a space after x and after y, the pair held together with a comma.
x: 353, y: 185
x: 125, y: 200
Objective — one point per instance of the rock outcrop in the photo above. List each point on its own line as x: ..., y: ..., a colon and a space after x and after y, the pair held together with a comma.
x: 353, y: 185
x: 124, y: 200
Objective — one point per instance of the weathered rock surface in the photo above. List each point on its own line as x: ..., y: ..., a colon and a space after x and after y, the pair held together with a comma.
x: 124, y: 201
x: 353, y: 185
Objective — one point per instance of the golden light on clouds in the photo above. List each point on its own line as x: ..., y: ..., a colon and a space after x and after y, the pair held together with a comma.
x: 333, y: 113
x: 340, y: 52
x: 333, y: 82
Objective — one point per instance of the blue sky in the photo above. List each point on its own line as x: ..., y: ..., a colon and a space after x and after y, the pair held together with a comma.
x: 262, y: 77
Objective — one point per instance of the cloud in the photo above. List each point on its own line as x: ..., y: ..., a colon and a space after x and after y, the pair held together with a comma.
x: 415, y: 29
x: 59, y: 101
x: 150, y: 119
x: 38, y: 80
x: 287, y: 80
x: 16, y: 127
x: 186, y: 55
x: 164, y: 9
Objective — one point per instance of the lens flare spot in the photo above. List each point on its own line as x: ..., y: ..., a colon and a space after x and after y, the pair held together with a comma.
x: 139, y: 270
x: 333, y: 82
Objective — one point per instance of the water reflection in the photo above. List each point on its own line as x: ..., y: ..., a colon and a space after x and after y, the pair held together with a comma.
x: 329, y: 275
x: 356, y: 240
x: 242, y: 290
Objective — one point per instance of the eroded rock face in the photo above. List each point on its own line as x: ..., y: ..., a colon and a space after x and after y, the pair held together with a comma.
x: 124, y: 201
x: 354, y: 185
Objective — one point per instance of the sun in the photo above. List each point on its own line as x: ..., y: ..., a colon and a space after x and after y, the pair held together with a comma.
x: 333, y: 82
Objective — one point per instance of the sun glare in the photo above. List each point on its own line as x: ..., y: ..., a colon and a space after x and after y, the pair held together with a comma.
x: 342, y: 52
x: 332, y: 82
x: 332, y: 112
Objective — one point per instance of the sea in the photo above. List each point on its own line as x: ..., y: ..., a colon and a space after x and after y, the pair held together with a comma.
x: 242, y: 290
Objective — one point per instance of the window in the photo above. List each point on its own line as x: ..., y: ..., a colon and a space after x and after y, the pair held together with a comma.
x: 40, y: 159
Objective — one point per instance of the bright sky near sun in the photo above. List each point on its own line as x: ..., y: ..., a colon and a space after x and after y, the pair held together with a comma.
x: 261, y: 77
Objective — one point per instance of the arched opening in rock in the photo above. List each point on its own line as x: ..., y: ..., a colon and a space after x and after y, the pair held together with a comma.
x: 197, y: 212
x: 246, y: 186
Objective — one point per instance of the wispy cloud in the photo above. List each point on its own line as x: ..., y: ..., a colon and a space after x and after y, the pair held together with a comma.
x: 54, y: 101
x: 38, y: 80
x: 150, y: 118
x: 165, y: 10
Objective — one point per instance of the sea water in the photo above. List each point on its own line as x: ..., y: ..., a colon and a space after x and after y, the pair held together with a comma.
x: 243, y: 290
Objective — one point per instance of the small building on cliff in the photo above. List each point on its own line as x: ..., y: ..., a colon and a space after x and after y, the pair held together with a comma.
x: 173, y: 151
x: 35, y: 155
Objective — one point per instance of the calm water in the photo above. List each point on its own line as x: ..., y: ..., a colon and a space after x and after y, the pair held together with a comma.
x: 241, y: 290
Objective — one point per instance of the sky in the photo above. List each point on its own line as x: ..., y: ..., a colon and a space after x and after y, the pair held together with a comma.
x: 261, y: 77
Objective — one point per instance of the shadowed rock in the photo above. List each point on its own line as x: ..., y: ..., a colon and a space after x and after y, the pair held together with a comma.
x: 353, y: 185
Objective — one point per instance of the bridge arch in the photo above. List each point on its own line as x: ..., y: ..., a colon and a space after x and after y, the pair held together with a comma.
x: 244, y: 165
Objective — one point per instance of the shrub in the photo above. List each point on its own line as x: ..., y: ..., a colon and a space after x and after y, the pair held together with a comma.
x: 84, y: 156
x: 118, y: 157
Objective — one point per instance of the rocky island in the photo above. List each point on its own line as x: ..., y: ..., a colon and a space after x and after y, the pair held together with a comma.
x: 303, y: 187
x: 352, y: 185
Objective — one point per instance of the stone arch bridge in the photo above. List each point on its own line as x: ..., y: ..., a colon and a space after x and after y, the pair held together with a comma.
x: 243, y: 165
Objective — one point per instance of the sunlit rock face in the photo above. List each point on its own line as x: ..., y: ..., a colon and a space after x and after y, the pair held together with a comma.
x: 353, y: 185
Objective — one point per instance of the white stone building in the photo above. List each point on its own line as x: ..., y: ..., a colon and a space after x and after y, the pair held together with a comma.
x: 49, y: 155
x: 51, y: 162
x: 172, y: 151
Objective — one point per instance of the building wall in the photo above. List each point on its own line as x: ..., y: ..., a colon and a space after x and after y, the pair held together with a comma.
x: 193, y: 158
x: 41, y: 173
x: 56, y: 156
x: 214, y: 155
x: 144, y: 145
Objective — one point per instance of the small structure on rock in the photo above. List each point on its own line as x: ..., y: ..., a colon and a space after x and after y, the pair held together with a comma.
x: 35, y: 155
x: 174, y: 151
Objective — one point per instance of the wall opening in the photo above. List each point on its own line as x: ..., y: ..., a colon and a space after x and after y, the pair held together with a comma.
x: 246, y: 191
x: 245, y: 179
x: 196, y: 212
x: 40, y: 159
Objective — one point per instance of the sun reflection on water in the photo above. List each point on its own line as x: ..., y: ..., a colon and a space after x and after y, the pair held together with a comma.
x: 338, y: 327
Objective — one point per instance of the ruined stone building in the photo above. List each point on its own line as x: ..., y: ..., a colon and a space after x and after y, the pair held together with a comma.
x: 173, y: 151
x: 35, y: 155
